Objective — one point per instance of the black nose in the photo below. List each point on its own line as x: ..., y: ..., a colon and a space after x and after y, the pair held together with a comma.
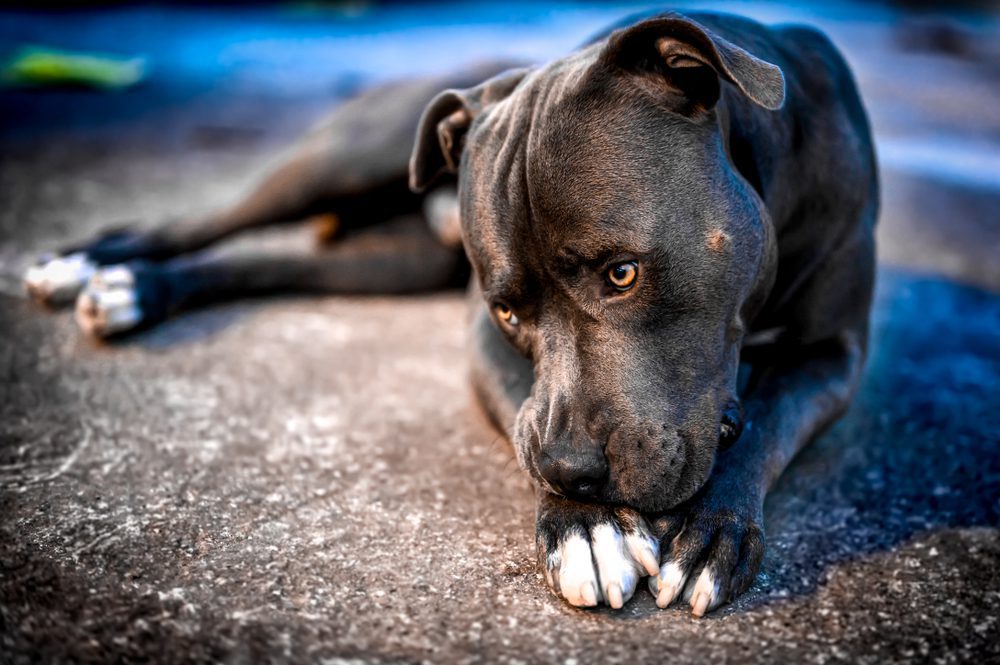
x: 575, y: 475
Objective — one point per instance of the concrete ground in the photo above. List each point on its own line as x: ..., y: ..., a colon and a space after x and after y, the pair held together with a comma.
x: 306, y: 479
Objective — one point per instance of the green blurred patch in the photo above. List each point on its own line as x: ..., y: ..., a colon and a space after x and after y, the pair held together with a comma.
x: 37, y: 66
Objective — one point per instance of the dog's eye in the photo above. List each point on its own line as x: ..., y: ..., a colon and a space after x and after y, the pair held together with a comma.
x: 622, y: 276
x: 505, y: 314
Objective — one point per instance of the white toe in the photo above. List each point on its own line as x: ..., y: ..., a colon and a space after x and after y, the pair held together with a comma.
x: 669, y: 583
x: 577, y: 580
x: 705, y: 594
x: 59, y: 280
x: 109, y: 303
x: 617, y: 571
x: 645, y: 551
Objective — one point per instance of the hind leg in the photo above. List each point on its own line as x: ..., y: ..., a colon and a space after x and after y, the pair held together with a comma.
x: 398, y: 257
x: 309, y: 182
x: 355, y: 165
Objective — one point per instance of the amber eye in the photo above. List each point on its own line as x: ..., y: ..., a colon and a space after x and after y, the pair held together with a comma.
x: 505, y: 314
x: 622, y: 276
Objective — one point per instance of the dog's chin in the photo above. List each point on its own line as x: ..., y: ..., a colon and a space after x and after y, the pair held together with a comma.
x: 660, y: 500
x: 655, y: 504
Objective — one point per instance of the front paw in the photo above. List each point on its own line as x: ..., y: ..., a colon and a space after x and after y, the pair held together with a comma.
x: 593, y: 554
x: 710, y: 554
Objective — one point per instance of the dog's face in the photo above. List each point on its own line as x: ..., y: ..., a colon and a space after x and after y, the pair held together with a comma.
x: 618, y: 249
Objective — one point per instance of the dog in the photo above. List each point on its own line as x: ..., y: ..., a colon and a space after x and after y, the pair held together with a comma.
x: 670, y: 238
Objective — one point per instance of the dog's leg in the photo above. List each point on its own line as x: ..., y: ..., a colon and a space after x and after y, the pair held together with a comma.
x: 403, y: 256
x: 590, y: 554
x: 355, y: 165
x: 713, y: 545
x: 314, y: 179
x: 720, y: 545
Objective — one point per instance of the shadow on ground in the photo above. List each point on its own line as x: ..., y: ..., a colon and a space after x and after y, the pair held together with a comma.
x: 916, y: 454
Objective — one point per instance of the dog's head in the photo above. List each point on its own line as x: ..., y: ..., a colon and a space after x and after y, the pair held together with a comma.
x: 617, y: 248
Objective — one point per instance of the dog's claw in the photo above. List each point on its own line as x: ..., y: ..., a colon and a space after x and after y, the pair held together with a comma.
x: 588, y: 595
x: 666, y: 596
x: 644, y: 553
x: 699, y: 604
x: 706, y: 594
x: 614, y: 595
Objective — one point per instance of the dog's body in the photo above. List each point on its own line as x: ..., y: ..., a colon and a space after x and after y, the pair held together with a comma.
x: 669, y: 237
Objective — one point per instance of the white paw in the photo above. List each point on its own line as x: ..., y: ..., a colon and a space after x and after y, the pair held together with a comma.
x: 109, y: 303
x: 577, y: 580
x: 705, y: 594
x: 59, y: 280
x: 603, y: 567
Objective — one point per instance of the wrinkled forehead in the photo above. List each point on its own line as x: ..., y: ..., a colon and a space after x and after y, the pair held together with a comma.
x: 551, y: 170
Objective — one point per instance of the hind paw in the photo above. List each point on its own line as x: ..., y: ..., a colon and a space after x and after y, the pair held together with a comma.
x: 57, y: 280
x: 109, y: 304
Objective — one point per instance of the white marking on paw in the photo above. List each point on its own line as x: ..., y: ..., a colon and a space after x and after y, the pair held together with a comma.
x: 618, y: 572
x: 552, y: 561
x: 108, y: 304
x: 645, y: 551
x: 668, y: 584
x: 113, y: 276
x: 577, y: 580
x: 706, y: 593
x: 59, y: 281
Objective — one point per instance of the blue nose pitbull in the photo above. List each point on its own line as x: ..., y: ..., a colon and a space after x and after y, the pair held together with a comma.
x: 670, y: 238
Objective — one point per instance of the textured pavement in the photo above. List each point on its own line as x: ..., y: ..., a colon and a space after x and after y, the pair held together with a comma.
x: 306, y: 479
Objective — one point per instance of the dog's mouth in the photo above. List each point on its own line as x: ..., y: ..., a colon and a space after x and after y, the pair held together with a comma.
x: 650, y: 468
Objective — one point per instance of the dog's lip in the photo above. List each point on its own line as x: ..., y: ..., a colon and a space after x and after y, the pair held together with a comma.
x: 667, y: 500
x: 659, y: 502
x: 654, y: 507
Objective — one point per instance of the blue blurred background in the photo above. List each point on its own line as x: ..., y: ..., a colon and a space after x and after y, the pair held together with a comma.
x: 250, y: 77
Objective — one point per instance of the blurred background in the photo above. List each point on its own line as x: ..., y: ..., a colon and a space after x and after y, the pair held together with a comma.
x: 306, y: 477
x: 213, y: 82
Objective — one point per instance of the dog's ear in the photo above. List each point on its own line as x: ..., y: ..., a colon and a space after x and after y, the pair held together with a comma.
x: 445, y: 122
x: 690, y: 60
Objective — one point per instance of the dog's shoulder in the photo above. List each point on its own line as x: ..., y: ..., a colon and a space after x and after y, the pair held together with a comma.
x: 823, y: 189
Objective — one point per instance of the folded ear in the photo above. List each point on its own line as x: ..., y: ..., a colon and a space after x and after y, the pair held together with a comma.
x: 445, y: 122
x: 690, y: 60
